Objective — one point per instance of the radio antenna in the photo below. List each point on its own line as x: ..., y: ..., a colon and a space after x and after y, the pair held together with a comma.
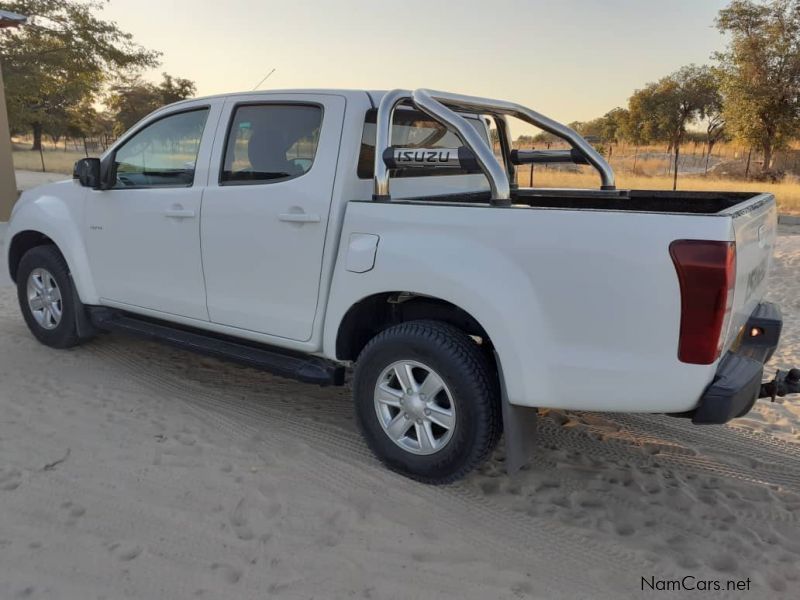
x: 258, y: 85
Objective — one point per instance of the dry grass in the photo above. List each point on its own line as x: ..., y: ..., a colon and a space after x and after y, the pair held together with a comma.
x: 55, y: 160
x: 787, y: 193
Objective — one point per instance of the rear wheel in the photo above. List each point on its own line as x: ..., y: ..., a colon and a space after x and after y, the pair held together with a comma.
x: 427, y: 401
x: 46, y: 297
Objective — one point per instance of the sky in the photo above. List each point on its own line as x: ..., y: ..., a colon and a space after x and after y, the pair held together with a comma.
x: 569, y: 59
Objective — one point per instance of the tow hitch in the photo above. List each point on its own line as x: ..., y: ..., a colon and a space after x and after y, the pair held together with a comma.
x: 785, y: 382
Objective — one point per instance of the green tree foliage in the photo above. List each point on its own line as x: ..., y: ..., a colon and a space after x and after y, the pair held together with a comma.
x: 614, y: 125
x: 60, y: 60
x: 134, y: 99
x: 761, y: 72
x: 661, y: 111
x: 607, y: 129
x: 541, y: 138
x: 84, y: 122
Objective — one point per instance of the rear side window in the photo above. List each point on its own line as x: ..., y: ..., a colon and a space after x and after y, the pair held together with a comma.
x: 270, y: 142
x: 411, y: 129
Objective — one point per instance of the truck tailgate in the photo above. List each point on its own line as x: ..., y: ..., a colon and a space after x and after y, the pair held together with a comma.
x: 755, y: 229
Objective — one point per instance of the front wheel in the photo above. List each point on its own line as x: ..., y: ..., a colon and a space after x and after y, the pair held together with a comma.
x: 46, y: 297
x: 427, y: 401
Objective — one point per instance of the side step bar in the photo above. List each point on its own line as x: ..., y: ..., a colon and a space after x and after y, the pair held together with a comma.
x: 309, y: 369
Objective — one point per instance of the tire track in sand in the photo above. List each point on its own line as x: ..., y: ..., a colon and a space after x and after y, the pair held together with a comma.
x: 344, y: 463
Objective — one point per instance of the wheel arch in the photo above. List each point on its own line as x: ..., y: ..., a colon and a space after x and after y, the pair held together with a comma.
x: 20, y: 244
x: 48, y: 219
x: 372, y: 314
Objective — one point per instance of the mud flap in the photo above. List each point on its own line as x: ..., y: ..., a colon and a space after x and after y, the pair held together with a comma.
x: 519, y: 427
x: 83, y: 324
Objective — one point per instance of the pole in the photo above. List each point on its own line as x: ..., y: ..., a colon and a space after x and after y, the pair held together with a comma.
x: 8, y: 184
x: 747, y: 168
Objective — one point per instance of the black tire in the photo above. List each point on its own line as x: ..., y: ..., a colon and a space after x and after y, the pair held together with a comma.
x: 65, y: 334
x: 469, y: 376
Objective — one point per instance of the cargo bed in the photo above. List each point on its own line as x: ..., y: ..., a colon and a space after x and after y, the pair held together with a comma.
x: 707, y: 203
x: 648, y: 201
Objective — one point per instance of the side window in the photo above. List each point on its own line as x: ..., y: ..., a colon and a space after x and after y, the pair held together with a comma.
x: 163, y: 154
x: 412, y: 129
x: 270, y: 142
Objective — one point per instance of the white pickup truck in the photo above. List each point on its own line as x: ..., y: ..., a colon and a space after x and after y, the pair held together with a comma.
x: 261, y: 227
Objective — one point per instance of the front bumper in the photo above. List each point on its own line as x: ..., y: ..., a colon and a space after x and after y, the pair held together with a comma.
x: 737, y: 383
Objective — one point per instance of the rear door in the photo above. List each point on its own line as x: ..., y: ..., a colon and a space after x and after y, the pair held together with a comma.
x: 265, y: 213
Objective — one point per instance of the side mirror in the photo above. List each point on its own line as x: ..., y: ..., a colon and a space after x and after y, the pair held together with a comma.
x: 87, y: 172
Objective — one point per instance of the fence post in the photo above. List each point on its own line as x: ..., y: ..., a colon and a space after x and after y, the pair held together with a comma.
x: 747, y: 168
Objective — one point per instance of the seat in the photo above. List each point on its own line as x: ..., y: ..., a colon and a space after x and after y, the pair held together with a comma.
x: 266, y: 152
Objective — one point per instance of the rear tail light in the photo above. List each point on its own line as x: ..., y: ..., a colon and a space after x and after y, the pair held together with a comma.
x: 707, y: 274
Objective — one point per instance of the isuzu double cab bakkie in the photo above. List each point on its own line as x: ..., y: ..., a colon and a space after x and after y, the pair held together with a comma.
x: 305, y: 231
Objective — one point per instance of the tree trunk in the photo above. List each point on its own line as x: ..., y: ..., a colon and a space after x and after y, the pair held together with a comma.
x: 675, y: 175
x: 37, y: 137
x: 708, y: 155
x: 767, y: 157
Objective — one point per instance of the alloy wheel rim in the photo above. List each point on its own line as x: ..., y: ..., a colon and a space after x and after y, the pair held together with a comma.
x: 415, y: 407
x: 44, y: 298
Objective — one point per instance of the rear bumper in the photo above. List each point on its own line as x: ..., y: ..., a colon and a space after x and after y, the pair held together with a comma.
x: 737, y: 382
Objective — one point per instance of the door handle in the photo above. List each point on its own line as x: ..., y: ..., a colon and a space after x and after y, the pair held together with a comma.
x: 179, y: 213
x: 299, y: 217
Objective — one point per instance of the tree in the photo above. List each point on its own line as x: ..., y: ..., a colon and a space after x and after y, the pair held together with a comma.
x: 608, y: 128
x: 614, y: 124
x: 63, y: 57
x: 543, y: 137
x: 716, y: 129
x: 172, y: 89
x: 134, y: 98
x: 129, y: 101
x: 661, y: 111
x: 761, y: 72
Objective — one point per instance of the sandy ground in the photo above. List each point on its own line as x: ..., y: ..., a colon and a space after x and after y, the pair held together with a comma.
x: 132, y: 470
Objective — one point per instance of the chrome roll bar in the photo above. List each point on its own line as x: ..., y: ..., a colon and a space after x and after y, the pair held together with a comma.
x: 469, y: 136
x: 383, y: 139
x: 439, y: 105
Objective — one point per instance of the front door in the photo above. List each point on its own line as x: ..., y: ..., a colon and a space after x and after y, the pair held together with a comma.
x: 144, y: 233
x: 265, y: 218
